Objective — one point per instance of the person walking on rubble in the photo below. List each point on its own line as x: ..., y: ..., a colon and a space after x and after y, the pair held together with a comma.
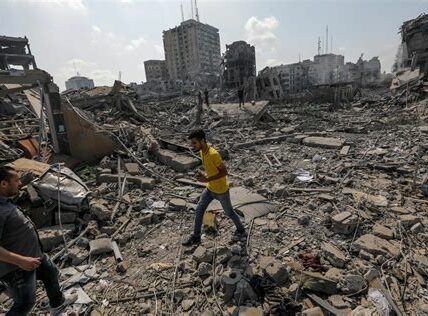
x: 217, y: 188
x: 22, y: 260
x: 207, y: 100
x: 199, y: 108
x: 241, y: 97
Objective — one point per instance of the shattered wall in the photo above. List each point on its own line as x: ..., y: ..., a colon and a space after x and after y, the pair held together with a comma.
x: 414, y: 35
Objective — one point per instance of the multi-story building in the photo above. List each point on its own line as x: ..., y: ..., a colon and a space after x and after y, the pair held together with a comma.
x: 192, y: 49
x: 79, y: 82
x: 239, y: 65
x: 155, y: 70
x: 363, y: 71
x: 326, y: 69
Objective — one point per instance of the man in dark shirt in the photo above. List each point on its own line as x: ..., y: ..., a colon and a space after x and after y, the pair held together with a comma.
x: 22, y: 260
x: 241, y: 97
x: 207, y: 100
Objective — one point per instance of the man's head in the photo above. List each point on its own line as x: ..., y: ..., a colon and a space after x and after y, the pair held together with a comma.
x: 9, y: 182
x: 197, y: 139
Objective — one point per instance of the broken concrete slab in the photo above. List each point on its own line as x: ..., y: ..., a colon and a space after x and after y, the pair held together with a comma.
x: 177, y: 161
x: 100, y: 246
x: 144, y: 183
x: 323, y: 142
x: 251, y: 205
x: 383, y: 232
x: 377, y: 246
x: 132, y: 168
x: 334, y: 255
x: 344, y: 223
x: 177, y: 204
x: 51, y: 237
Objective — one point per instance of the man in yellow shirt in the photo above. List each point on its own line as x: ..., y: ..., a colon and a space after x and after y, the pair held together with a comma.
x: 217, y: 188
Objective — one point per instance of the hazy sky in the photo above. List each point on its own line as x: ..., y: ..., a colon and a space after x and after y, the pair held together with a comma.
x: 103, y: 37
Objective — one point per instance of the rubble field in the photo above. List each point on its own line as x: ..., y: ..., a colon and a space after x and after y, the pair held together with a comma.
x: 334, y: 202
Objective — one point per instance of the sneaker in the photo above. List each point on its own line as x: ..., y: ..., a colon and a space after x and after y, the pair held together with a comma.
x: 69, y: 299
x: 239, y: 235
x: 192, y: 240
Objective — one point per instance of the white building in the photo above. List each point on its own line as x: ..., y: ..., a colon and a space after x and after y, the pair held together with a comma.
x: 79, y: 82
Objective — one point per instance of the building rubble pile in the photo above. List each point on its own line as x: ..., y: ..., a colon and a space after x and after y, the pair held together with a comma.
x: 346, y: 231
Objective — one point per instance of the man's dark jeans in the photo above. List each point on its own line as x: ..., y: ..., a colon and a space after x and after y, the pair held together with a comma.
x: 206, y: 197
x: 21, y: 286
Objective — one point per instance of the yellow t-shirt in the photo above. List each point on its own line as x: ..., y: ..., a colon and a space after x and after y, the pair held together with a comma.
x: 211, y: 160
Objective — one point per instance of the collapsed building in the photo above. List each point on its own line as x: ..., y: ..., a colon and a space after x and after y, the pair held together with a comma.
x: 414, y: 34
x: 239, y: 65
x: 335, y: 203
x: 307, y: 77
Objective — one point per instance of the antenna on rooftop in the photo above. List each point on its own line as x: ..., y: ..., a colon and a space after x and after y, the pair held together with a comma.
x: 182, y: 12
x: 75, y: 70
x: 191, y: 7
x: 326, y: 39
x: 319, y: 45
x: 331, y: 43
x: 120, y: 75
x: 197, y: 11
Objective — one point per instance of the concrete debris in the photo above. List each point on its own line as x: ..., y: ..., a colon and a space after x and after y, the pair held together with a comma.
x: 330, y: 180
x: 336, y: 257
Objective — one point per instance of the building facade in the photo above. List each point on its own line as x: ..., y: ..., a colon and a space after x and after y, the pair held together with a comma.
x: 79, y: 82
x: 192, y: 50
x: 155, y: 70
x: 327, y: 69
x: 239, y: 65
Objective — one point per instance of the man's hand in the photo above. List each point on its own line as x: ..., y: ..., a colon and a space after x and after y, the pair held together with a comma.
x: 28, y: 263
x: 201, y: 177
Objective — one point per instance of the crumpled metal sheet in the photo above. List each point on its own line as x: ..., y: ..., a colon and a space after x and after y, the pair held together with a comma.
x: 73, y: 191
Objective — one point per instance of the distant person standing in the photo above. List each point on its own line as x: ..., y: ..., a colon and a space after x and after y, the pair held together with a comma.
x: 241, y: 97
x: 199, y: 108
x: 207, y: 100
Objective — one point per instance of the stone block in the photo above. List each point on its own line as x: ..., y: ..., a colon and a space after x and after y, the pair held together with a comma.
x: 178, y: 162
x: 51, y: 237
x: 277, y: 272
x: 323, y: 142
x: 383, y: 232
x: 376, y: 246
x: 336, y: 257
x: 101, y: 212
x: 100, y: 246
x: 132, y: 168
x: 77, y: 255
x: 203, y: 254
x: 177, y: 204
x: 408, y: 220
x: 66, y: 218
x: 344, y: 223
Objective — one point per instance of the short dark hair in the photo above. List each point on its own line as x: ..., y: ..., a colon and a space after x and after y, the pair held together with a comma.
x: 5, y: 172
x: 198, y: 134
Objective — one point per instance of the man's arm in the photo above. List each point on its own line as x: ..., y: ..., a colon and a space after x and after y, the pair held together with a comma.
x: 25, y: 263
x: 222, y: 172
